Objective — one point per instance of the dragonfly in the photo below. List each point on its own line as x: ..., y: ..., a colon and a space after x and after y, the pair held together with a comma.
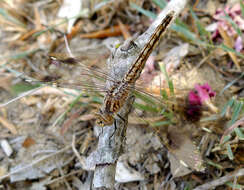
x: 118, y: 93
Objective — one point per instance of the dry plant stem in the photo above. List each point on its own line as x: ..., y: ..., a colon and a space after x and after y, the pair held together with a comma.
x: 64, y: 179
x: 111, y: 141
x: 81, y: 160
x: 220, y: 181
x: 112, y: 138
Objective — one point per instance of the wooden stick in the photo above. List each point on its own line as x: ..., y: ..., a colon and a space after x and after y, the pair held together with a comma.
x: 112, y: 138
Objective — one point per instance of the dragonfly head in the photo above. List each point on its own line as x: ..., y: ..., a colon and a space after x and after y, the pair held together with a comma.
x: 104, y: 118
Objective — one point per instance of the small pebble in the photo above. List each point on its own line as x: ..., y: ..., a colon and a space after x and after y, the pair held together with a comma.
x: 6, y: 147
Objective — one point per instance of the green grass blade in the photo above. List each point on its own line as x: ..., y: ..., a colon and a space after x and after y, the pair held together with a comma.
x: 231, y: 83
x: 180, y: 28
x: 236, y: 112
x: 97, y: 99
x: 242, y: 8
x: 239, y: 133
x: 226, y: 139
x: 201, y: 29
x: 226, y: 106
x: 213, y: 117
x: 229, y: 152
x: 228, y: 49
x: 187, y: 33
x: 143, y: 11
x: 23, y: 87
x: 147, y: 108
x: 20, y: 55
x: 181, y: 24
x: 8, y: 17
x: 234, y: 25
x: 145, y: 98
x: 164, y: 94
x: 160, y: 3
x: 235, y: 185
x: 211, y: 163
x: 52, y: 28
x: 161, y: 123
x: 170, y: 83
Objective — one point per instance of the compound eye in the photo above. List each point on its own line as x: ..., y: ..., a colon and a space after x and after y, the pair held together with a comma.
x: 100, y: 123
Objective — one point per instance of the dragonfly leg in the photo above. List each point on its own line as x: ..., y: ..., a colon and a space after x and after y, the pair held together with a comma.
x: 120, y: 117
x: 115, y: 128
x: 115, y: 124
x: 129, y: 45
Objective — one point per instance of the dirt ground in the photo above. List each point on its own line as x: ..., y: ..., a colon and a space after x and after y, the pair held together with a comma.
x: 48, y: 132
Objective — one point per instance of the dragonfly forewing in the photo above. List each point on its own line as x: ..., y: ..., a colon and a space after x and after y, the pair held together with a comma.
x: 73, y: 73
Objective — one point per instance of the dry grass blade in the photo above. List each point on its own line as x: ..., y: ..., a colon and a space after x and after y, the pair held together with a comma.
x: 220, y: 181
x: 228, y: 43
x: 8, y: 125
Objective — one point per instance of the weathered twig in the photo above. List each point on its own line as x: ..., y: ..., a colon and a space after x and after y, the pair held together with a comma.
x: 112, y: 138
x: 220, y: 181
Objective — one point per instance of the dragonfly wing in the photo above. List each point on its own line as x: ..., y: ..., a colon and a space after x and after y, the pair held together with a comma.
x: 72, y: 73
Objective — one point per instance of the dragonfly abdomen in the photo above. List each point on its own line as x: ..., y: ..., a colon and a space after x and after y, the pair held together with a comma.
x: 136, y: 68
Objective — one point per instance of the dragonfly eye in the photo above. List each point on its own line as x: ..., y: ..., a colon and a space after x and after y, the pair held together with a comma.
x: 129, y: 46
x: 100, y: 122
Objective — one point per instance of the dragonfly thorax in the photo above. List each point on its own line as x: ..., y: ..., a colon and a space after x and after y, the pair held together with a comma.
x: 104, y: 118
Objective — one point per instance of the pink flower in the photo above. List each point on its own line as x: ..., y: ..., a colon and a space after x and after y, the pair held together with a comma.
x: 238, y: 44
x: 194, y: 99
x: 235, y: 14
x: 201, y: 94
x: 204, y: 92
x: 198, y: 97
